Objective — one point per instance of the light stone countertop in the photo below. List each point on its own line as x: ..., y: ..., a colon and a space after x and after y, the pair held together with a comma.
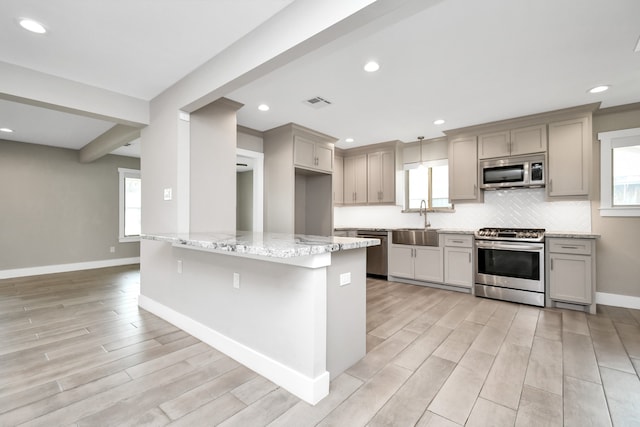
x: 571, y: 235
x: 275, y: 245
x: 455, y: 231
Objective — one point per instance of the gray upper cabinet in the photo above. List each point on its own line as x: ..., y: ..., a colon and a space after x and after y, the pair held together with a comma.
x: 463, y: 170
x: 355, y: 180
x: 381, y: 177
x: 313, y: 155
x: 527, y: 140
x: 569, y: 157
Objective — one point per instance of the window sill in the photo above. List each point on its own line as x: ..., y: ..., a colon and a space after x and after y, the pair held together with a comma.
x: 619, y: 211
x: 129, y: 239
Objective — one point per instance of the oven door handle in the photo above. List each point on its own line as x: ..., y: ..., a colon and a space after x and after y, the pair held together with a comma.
x: 505, y: 245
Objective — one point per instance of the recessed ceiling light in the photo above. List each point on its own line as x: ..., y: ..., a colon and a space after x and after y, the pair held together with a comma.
x: 349, y: 140
x: 7, y: 130
x: 598, y: 89
x: 371, y: 66
x: 33, y: 26
x: 438, y: 122
x: 263, y: 107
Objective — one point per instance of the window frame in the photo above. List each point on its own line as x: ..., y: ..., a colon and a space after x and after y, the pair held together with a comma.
x: 124, y: 173
x: 428, y: 164
x: 609, y: 141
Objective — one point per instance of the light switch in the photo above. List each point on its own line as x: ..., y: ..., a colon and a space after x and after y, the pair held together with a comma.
x: 168, y: 194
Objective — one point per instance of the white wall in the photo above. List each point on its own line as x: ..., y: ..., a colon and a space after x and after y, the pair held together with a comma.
x: 504, y: 208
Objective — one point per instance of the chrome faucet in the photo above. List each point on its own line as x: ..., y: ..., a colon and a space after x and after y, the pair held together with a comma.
x: 423, y: 202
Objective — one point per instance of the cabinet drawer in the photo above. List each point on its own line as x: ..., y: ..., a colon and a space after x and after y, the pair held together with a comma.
x: 459, y: 240
x: 570, y: 246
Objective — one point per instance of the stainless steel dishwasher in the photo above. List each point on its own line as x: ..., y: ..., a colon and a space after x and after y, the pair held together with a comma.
x: 376, y: 255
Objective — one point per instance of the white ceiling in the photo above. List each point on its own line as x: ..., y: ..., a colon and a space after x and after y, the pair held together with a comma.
x: 465, y: 61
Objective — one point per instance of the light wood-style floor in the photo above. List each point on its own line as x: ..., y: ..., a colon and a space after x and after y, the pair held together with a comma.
x: 75, y: 349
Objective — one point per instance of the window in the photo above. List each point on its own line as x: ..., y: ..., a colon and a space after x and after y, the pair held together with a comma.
x: 130, y: 204
x: 620, y: 173
x: 428, y: 181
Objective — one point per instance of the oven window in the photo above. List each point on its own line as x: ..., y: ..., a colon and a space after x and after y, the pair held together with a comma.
x: 518, y: 264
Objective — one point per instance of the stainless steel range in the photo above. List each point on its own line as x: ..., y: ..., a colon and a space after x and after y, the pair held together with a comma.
x: 510, y: 264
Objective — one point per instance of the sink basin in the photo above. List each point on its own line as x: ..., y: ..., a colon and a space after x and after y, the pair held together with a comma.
x: 415, y: 236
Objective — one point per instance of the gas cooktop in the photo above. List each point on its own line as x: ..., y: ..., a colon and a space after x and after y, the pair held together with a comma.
x: 519, y: 234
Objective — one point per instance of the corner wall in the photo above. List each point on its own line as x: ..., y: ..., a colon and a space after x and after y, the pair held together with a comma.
x: 58, y: 211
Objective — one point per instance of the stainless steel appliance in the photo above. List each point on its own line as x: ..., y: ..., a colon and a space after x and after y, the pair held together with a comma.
x: 510, y: 264
x: 523, y: 171
x: 376, y: 255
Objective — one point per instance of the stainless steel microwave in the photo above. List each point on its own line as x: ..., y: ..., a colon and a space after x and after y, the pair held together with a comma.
x: 508, y: 172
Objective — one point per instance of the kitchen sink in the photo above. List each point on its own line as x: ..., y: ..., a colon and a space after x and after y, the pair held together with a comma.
x: 415, y: 236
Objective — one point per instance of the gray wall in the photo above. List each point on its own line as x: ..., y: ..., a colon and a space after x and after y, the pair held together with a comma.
x: 618, y: 249
x: 55, y: 210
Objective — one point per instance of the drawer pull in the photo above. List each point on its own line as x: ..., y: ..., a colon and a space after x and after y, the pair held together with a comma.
x: 569, y: 247
x: 457, y: 241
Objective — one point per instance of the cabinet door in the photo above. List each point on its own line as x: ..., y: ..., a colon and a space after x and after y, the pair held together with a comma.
x: 374, y: 176
x: 381, y: 177
x: 493, y: 145
x: 463, y: 169
x: 324, y: 157
x: 303, y: 152
x: 428, y: 264
x: 355, y: 180
x: 570, y: 279
x: 529, y: 140
x: 458, y: 267
x: 401, y: 261
x: 338, y: 180
x: 568, y: 158
x: 388, y: 179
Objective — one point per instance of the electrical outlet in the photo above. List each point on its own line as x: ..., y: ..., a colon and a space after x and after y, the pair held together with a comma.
x: 236, y: 280
x: 112, y: 249
x: 345, y: 279
x: 179, y: 266
x: 168, y: 194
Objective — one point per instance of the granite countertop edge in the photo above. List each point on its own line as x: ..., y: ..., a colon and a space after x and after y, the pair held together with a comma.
x: 571, y: 235
x: 270, y: 245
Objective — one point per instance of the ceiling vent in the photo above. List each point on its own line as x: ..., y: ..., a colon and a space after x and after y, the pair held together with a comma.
x: 317, y: 102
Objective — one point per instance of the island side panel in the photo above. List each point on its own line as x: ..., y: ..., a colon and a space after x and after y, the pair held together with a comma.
x: 346, y: 310
x: 279, y: 311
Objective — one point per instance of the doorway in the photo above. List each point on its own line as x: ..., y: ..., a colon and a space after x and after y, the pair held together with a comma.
x: 249, y: 190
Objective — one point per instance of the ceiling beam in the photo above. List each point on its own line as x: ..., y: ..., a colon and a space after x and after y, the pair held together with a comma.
x: 115, y: 137
x: 19, y: 84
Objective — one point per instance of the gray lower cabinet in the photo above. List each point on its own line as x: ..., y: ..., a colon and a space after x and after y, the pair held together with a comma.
x: 422, y: 263
x: 458, y: 260
x: 571, y: 273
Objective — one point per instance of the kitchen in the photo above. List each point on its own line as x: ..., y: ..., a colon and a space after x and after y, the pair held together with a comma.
x: 165, y: 156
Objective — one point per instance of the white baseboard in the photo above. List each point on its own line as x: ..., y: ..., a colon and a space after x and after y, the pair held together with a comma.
x: 63, y: 268
x: 616, y: 300
x: 311, y: 390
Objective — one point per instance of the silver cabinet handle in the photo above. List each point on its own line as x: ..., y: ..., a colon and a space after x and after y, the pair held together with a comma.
x: 475, y: 189
x: 469, y: 257
x: 550, y: 185
x: 569, y: 247
x: 457, y: 241
x: 551, y: 263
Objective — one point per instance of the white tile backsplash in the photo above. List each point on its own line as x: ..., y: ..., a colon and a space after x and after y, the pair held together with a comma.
x: 502, y: 208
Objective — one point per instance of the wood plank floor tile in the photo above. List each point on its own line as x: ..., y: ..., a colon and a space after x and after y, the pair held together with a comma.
x: 457, y: 343
x: 304, y: 414
x: 212, y: 413
x: 253, y: 390
x: 263, y: 411
x: 539, y: 408
x: 629, y: 336
x: 549, y: 325
x: 429, y: 419
x: 610, y: 352
x: 584, y: 404
x: 380, y: 356
x: 579, y: 359
x: 623, y: 396
x: 575, y: 322
x: 418, y: 351
x: 506, y: 378
x: 545, y: 366
x: 363, y: 404
x: 408, y: 404
x: 487, y: 413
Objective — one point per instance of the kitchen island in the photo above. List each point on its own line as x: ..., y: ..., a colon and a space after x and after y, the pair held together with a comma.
x: 290, y: 307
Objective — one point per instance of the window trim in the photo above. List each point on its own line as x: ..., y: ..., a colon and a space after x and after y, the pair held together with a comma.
x: 122, y: 174
x: 609, y: 141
